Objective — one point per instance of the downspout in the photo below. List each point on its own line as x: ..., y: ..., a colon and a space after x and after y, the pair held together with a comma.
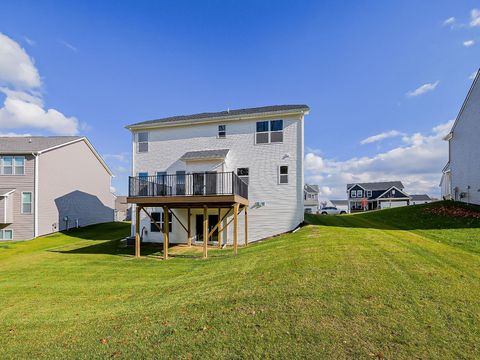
x: 35, y: 198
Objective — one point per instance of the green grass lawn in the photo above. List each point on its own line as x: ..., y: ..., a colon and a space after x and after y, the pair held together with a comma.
x: 400, y: 283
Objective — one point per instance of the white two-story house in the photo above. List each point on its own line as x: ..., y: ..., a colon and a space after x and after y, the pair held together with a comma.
x: 461, y: 175
x: 205, y: 168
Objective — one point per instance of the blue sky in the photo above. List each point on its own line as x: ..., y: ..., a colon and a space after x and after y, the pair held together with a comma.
x: 398, y: 70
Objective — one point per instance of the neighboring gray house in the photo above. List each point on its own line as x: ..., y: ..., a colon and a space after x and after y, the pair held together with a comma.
x: 123, y: 210
x: 461, y: 175
x: 49, y: 184
x: 310, y: 198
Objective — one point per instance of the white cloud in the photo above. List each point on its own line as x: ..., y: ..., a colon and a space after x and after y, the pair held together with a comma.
x: 475, y: 18
x: 380, y: 137
x: 16, y: 67
x: 449, y: 21
x: 468, y: 43
x: 473, y: 75
x: 122, y: 157
x: 417, y: 163
x: 23, y: 106
x: 68, y: 45
x: 29, y: 41
x: 13, y: 134
x: 423, y: 89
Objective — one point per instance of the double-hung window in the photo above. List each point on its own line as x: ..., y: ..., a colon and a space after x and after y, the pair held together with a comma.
x: 6, y: 234
x: 12, y: 165
x: 142, y: 142
x: 359, y: 193
x: 243, y: 174
x: 269, y: 132
x: 353, y: 194
x: 7, y: 165
x: 283, y: 174
x: 222, y: 131
x: 26, y: 202
x: 158, y: 218
x: 369, y: 193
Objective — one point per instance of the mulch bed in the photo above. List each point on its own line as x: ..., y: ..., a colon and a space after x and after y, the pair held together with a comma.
x: 453, y: 212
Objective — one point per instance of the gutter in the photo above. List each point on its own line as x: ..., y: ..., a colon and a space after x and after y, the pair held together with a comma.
x: 35, y: 198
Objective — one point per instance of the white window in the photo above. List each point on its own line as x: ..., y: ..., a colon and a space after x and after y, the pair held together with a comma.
x: 158, y: 218
x: 222, y: 131
x: 19, y: 165
x: 26, y: 202
x: 7, y: 165
x: 142, y: 142
x: 243, y: 174
x: 283, y: 174
x: 6, y: 234
x: 369, y: 193
x: 353, y: 194
x: 269, y: 132
x: 359, y: 193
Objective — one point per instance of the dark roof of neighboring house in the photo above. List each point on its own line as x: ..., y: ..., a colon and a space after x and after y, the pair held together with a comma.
x: 339, y: 202
x: 29, y: 144
x: 205, y: 154
x: 224, y: 114
x: 420, y: 197
x: 311, y: 188
x: 382, y: 185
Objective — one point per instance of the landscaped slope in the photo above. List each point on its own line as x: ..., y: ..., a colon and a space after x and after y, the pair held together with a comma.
x: 336, y: 290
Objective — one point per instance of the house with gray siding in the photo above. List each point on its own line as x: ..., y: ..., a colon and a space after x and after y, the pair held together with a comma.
x: 310, y: 198
x: 201, y: 171
x: 461, y: 175
x: 50, y: 184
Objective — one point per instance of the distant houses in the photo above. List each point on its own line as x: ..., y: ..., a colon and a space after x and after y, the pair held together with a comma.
x: 310, y: 198
x: 418, y: 199
x: 461, y: 175
x: 50, y: 184
x: 376, y: 195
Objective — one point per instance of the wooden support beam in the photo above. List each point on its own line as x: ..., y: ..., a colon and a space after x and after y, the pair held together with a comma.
x: 189, y: 227
x: 175, y: 216
x: 219, y: 234
x: 235, y: 228
x: 166, y: 230
x: 246, y: 225
x: 153, y: 221
x: 218, y: 224
x: 137, y: 231
x: 205, y: 231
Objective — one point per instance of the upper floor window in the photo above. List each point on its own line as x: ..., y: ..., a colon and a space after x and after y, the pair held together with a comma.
x: 243, y: 174
x: 269, y: 132
x: 283, y: 174
x: 12, y: 165
x: 142, y: 142
x: 353, y: 193
x: 369, y: 193
x: 359, y: 193
x: 26, y: 202
x: 222, y: 131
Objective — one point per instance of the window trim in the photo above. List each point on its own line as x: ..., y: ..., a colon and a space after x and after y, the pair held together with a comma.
x: 143, y: 142
x: 2, y: 234
x: 22, y: 211
x: 353, y: 194
x: 369, y: 193
x: 13, y: 166
x: 244, y: 178
x: 224, y: 131
x: 359, y: 192
x: 269, y: 132
x: 280, y: 175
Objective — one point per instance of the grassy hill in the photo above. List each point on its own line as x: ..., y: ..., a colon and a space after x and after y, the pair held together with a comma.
x: 398, y: 283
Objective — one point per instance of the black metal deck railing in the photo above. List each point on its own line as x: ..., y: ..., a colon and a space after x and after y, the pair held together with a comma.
x: 194, y: 184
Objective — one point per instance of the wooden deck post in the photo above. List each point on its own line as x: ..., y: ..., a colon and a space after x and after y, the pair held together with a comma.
x: 166, y: 231
x: 137, y: 231
x: 205, y: 231
x: 246, y: 225
x: 235, y: 229
x: 189, y: 227
x: 219, y: 233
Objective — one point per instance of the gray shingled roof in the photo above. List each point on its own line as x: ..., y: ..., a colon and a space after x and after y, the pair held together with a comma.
x: 311, y: 188
x: 224, y: 114
x: 420, y: 197
x: 29, y: 144
x: 205, y: 154
x: 339, y: 202
x: 382, y: 185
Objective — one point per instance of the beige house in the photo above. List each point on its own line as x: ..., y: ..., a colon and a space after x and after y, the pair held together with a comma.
x: 50, y: 184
